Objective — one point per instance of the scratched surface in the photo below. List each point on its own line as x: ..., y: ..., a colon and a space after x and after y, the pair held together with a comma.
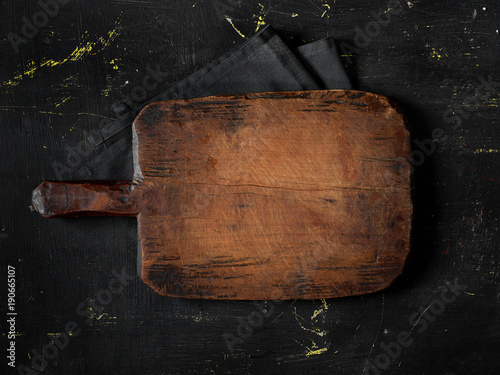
x: 441, y: 316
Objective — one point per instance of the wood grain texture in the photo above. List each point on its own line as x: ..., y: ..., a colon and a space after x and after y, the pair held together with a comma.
x: 273, y: 196
x: 87, y: 198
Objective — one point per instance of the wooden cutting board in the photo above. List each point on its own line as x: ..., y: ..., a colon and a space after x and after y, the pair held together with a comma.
x: 265, y: 196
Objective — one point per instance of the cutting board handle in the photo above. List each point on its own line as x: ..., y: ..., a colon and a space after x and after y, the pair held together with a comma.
x: 89, y: 198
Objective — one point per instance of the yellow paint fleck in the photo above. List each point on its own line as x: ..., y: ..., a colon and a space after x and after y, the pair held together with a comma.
x: 316, y: 313
x: 325, y: 305
x: 54, y: 334
x: 323, y: 309
x: 107, y: 319
x: 74, y: 126
x: 470, y: 294
x: 329, y: 8
x: 51, y: 113
x: 294, y: 15
x: 65, y: 99
x: 44, y: 146
x: 234, y: 27
x: 438, y: 53
x: 260, y: 20
x: 300, y: 319
x: 106, y: 91
x: 114, y: 63
x: 17, y: 334
x: 78, y: 53
x: 494, y: 102
x: 486, y: 151
x: 314, y: 349
x: 29, y: 71
x: 316, y: 352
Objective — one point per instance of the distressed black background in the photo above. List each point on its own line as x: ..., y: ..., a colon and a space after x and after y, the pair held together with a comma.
x: 429, y: 59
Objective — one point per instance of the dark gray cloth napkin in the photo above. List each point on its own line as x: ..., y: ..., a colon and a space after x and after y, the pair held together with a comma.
x: 263, y: 63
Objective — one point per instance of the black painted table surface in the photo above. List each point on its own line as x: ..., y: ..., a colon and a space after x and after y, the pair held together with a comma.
x: 80, y: 307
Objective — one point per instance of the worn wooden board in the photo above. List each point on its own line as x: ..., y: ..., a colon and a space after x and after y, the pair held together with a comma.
x: 265, y: 196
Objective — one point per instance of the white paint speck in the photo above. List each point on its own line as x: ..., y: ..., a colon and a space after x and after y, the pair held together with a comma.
x: 484, y: 8
x: 410, y: 4
x: 474, y: 14
x: 126, y: 82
